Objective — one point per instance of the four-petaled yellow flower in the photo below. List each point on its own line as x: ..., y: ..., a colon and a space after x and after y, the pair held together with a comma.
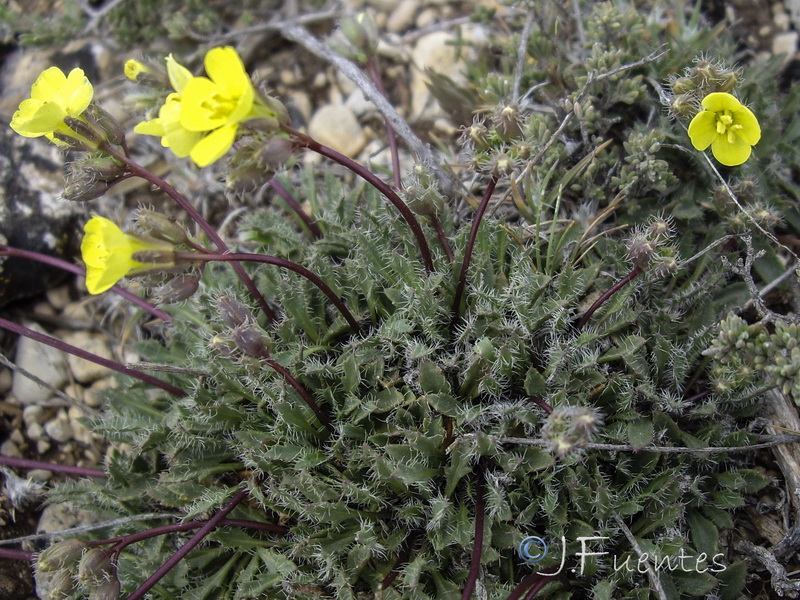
x: 203, y: 115
x: 730, y: 128
x: 54, y: 96
x: 110, y: 254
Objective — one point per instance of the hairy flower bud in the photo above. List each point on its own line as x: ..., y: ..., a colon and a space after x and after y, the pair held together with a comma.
x: 95, y: 567
x: 177, y: 289
x: 361, y: 31
x: 60, y: 555
x: 160, y: 227
x: 82, y: 189
x: 85, y: 130
x: 507, y: 123
x: 107, y: 590
x: 640, y: 250
x: 232, y: 312
x: 102, y: 121
x: 569, y: 428
x: 250, y: 341
x: 98, y: 167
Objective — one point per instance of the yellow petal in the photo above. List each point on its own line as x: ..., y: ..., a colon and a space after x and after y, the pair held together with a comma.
x: 226, y: 69
x: 76, y: 94
x: 47, y: 85
x: 731, y: 154
x: 702, y: 129
x: 151, y: 127
x: 719, y: 101
x: 106, y: 250
x: 196, y: 111
x: 213, y: 146
x: 35, y: 118
x: 751, y: 130
x: 177, y: 73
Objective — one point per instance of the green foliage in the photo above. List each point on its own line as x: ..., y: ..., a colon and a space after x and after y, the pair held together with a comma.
x: 428, y: 409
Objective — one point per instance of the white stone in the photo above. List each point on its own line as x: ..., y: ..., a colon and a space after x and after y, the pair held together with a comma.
x: 336, y: 126
x: 359, y: 104
x: 427, y: 17
x: 59, y: 429
x: 35, y: 432
x: 40, y: 475
x: 11, y: 449
x: 45, y: 362
x: 83, y: 370
x: 58, y: 297
x: 402, y: 17
x: 32, y: 414
x: 785, y: 43
x: 43, y: 445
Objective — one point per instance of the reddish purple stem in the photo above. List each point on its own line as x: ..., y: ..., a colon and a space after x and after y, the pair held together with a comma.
x: 66, y: 266
x: 81, y: 353
x: 477, y: 544
x: 473, y: 233
x: 198, y: 537
x: 606, y: 295
x: 298, y: 210
x: 26, y: 463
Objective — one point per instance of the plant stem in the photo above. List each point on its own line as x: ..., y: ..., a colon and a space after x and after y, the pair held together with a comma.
x: 477, y: 544
x: 437, y: 225
x: 606, y: 295
x: 302, y: 215
x: 473, y: 232
x: 198, y: 537
x: 323, y: 418
x: 8, y: 554
x: 81, y: 353
x: 66, y: 266
x: 279, y: 262
x: 138, y: 170
x: 527, y: 582
x: 308, y: 142
x: 26, y: 463
x: 541, y: 404
x: 374, y: 73
x: 126, y: 540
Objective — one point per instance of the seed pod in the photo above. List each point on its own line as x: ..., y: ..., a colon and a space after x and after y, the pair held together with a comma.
x: 232, y: 312
x: 102, y: 121
x: 250, y: 341
x: 95, y: 567
x: 84, y: 189
x: 160, y: 226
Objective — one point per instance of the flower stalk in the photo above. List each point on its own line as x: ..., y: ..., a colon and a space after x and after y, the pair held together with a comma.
x: 606, y: 295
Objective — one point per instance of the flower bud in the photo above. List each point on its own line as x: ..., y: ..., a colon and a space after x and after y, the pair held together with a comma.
x: 153, y: 256
x: 60, y: 555
x: 640, y: 250
x: 82, y: 189
x: 665, y: 266
x: 361, y: 31
x: 426, y: 202
x: 160, y: 226
x: 684, y: 105
x: 135, y: 70
x: 683, y: 85
x: 102, y: 121
x: 59, y: 584
x: 507, y: 123
x: 250, y: 341
x: 95, y: 567
x: 222, y: 347
x: 72, y: 142
x: 177, y: 289
x: 232, y: 312
x: 107, y: 590
x: 102, y: 168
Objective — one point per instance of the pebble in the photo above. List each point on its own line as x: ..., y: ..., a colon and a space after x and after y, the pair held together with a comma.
x: 426, y: 17
x: 60, y: 428
x: 83, y: 370
x: 32, y: 414
x: 785, y: 43
x: 45, y: 362
x: 10, y: 448
x: 35, y: 432
x: 435, y: 51
x: 402, y: 17
x: 59, y: 297
x: 359, y: 104
x: 40, y: 475
x: 5, y: 380
x: 336, y: 126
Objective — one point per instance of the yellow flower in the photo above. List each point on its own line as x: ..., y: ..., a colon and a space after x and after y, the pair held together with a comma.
x: 202, y: 117
x: 168, y: 124
x: 730, y: 128
x: 54, y: 96
x: 110, y: 254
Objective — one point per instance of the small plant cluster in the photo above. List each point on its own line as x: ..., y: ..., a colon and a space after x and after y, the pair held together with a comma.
x: 371, y: 399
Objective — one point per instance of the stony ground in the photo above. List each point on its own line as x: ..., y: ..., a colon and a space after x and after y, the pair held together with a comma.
x: 43, y: 419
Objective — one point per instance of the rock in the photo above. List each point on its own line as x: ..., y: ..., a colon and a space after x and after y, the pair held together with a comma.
x: 59, y: 429
x: 785, y: 43
x: 359, y: 104
x: 336, y: 126
x: 402, y: 17
x: 82, y: 370
x: 11, y: 449
x: 438, y: 51
x: 40, y: 360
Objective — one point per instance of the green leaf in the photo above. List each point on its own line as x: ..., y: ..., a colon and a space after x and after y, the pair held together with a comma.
x: 705, y: 534
x: 640, y: 433
x: 535, y: 384
x: 431, y: 379
x: 732, y: 580
x: 625, y: 347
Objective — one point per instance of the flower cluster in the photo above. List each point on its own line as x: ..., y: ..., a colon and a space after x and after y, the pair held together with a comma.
x: 201, y: 117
